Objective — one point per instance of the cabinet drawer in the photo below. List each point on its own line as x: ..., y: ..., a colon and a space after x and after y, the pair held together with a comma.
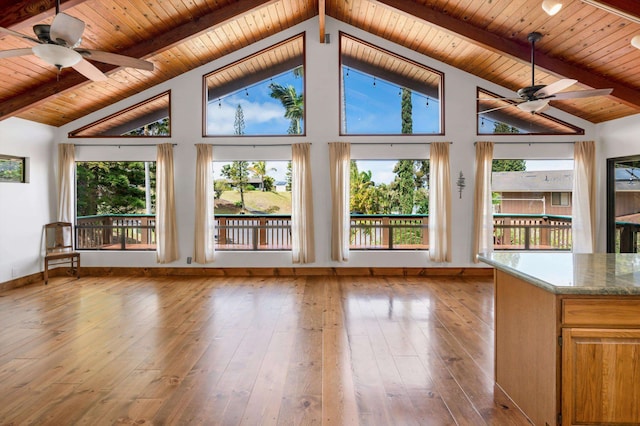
x: 601, y: 312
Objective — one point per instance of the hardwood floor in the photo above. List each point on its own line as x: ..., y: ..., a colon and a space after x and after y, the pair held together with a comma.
x: 238, y: 350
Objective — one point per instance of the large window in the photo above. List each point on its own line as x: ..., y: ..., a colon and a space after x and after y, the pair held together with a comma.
x: 259, y: 95
x: 532, y: 204
x: 115, y: 203
x: 389, y: 203
x: 623, y: 205
x: 252, y: 205
x: 12, y: 169
x: 383, y: 93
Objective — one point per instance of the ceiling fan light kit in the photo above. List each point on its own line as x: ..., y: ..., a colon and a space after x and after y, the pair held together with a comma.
x: 635, y: 41
x: 58, y: 56
x: 551, y: 7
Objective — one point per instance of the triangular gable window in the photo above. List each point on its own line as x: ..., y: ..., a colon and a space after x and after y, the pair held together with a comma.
x: 382, y: 93
x: 149, y: 118
x: 262, y: 94
x: 497, y: 115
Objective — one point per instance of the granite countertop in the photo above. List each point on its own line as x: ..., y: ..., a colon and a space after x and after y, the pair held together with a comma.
x: 568, y: 273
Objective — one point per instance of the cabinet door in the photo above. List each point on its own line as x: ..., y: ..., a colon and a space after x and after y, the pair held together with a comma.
x: 600, y: 376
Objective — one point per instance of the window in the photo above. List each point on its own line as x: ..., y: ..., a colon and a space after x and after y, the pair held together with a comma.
x: 149, y: 118
x: 623, y: 204
x: 532, y: 204
x: 252, y: 205
x: 497, y: 115
x: 13, y: 169
x: 383, y: 93
x: 560, y: 198
x: 260, y: 95
x: 389, y: 203
x: 115, y: 205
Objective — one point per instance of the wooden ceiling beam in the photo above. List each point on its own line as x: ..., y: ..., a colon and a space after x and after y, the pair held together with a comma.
x: 629, y: 9
x: 145, y: 49
x: 517, y: 50
x: 21, y: 13
x: 321, y: 19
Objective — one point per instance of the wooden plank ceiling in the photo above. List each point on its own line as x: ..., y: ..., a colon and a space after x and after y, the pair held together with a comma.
x: 487, y: 38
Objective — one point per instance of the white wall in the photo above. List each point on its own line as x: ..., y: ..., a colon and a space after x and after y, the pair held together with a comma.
x: 618, y: 138
x: 26, y: 207
x: 322, y: 126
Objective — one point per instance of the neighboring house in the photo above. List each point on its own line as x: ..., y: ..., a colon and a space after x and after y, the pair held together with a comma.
x: 540, y: 192
x: 628, y: 194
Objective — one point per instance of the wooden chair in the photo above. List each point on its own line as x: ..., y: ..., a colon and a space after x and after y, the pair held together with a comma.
x: 59, y: 248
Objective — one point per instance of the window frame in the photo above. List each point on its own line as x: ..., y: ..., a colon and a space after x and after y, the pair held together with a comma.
x: 23, y: 165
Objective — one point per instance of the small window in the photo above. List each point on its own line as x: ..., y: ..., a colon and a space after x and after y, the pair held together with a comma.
x: 12, y: 169
x: 560, y: 198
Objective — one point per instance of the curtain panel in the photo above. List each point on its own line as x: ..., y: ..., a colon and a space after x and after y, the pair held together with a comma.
x: 583, y: 223
x: 483, y: 207
x: 66, y: 173
x: 166, y: 229
x: 439, y: 203
x: 339, y: 167
x: 302, y: 228
x: 204, y: 244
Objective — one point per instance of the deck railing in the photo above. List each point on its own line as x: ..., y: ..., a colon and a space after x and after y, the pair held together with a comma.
x: 531, y: 232
x: 368, y: 232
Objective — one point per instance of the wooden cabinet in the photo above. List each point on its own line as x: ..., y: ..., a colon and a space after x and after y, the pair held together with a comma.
x: 589, y: 376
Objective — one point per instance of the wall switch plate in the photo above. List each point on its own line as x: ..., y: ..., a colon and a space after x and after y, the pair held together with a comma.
x: 189, y: 260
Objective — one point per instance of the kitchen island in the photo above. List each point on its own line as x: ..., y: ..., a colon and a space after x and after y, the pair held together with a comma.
x: 567, y: 335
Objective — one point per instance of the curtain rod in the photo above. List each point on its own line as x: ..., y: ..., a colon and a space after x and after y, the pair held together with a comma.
x: 393, y: 143
x: 530, y: 143
x: 254, y: 145
x: 121, y: 145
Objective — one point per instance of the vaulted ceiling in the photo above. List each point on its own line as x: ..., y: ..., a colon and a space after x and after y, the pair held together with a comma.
x: 588, y: 40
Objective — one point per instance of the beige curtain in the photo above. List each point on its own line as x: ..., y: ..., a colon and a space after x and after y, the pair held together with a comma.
x: 483, y: 208
x: 339, y: 167
x: 583, y: 224
x: 205, y: 223
x: 439, y: 203
x: 66, y: 168
x: 302, y: 233
x: 166, y: 229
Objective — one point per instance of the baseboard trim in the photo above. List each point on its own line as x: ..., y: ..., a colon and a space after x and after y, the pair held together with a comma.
x: 310, y: 271
x: 252, y: 272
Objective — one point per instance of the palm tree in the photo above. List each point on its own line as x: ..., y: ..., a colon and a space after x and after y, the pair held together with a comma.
x: 293, y: 105
x: 259, y: 169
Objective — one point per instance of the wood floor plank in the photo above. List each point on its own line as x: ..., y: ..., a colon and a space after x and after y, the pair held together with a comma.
x: 232, y: 350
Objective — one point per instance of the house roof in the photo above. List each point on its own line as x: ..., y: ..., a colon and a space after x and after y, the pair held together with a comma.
x: 485, y: 38
x: 538, y: 181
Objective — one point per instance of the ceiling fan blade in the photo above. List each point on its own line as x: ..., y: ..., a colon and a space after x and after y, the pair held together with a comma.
x: 581, y: 94
x: 66, y: 30
x: 554, y: 88
x: 89, y: 70
x: 17, y: 34
x: 115, y: 59
x: 15, y: 52
x: 497, y: 108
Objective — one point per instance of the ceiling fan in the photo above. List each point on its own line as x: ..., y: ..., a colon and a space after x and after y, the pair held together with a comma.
x: 535, y: 98
x: 58, y: 44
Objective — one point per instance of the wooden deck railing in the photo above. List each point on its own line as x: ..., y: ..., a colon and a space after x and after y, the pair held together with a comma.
x: 531, y: 232
x: 368, y: 232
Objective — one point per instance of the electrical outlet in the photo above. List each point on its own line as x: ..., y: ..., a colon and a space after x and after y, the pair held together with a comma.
x: 189, y: 260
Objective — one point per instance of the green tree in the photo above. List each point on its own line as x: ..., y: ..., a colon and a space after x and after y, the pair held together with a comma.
x: 115, y: 187
x: 293, y: 106
x: 504, y: 128
x: 406, y: 109
x: 288, y: 177
x: 238, y: 175
x: 219, y: 186
x: 260, y: 170
x: 158, y: 128
x: 509, y: 166
x: 238, y: 123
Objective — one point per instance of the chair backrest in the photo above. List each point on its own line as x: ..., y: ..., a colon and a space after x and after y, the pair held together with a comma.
x: 58, y: 237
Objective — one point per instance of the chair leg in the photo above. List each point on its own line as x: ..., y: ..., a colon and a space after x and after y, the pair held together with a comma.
x: 46, y: 272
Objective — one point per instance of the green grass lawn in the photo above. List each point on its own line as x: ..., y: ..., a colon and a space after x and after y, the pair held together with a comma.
x: 257, y: 202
